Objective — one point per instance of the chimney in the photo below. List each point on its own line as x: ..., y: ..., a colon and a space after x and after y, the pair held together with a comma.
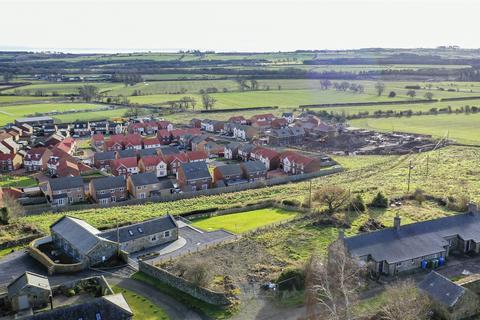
x: 473, y: 208
x: 396, y: 222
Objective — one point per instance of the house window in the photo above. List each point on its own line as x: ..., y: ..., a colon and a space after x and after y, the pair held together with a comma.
x: 139, y: 188
x: 153, y: 238
x: 141, y: 195
x: 103, y: 201
x: 166, y: 234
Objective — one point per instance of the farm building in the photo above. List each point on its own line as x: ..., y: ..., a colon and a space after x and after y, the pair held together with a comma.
x: 413, y: 246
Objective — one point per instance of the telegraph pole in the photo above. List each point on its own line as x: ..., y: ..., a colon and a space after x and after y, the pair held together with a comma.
x: 410, y: 167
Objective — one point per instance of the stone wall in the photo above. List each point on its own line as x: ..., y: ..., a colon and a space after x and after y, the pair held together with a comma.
x: 205, y: 295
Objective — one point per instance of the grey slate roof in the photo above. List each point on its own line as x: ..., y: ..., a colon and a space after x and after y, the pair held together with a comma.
x: 65, y: 183
x: 127, y: 153
x: 246, y: 147
x: 109, y: 183
x: 414, y: 240
x: 27, y: 279
x: 141, y: 179
x: 254, y: 166
x: 195, y: 170
x: 140, y: 230
x: 233, y: 145
x: 79, y: 234
x: 441, y: 289
x: 166, y: 150
x: 230, y: 169
x: 111, y: 307
x: 108, y: 155
x: 166, y: 184
x: 147, y: 152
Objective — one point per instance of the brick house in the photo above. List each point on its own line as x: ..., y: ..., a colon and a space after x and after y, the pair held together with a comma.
x: 151, y: 143
x: 269, y: 157
x: 177, y: 133
x: 230, y: 151
x: 174, y: 161
x: 165, y: 125
x: 164, y: 136
x: 268, y: 117
x: 10, y: 162
x: 136, y: 128
x: 245, y: 151
x: 124, y: 166
x: 98, y: 142
x: 196, y: 123
x: 69, y: 145
x: 230, y: 174
x: 279, y: 123
x: 108, y: 190
x: 286, y: 136
x: 143, y: 185
x: 254, y: 170
x: 153, y: 164
x: 194, y: 176
x: 213, y: 149
x: 113, y: 145
x: 294, y: 163
x: 63, y: 191
x: 238, y: 120
x: 132, y: 141
x: 103, y: 160
x: 36, y: 159
x: 244, y: 132
x: 194, y: 156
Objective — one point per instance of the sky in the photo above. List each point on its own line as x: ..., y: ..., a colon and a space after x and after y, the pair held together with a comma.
x: 232, y: 25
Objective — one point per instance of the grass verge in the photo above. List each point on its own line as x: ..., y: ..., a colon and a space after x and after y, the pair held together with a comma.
x: 143, y: 309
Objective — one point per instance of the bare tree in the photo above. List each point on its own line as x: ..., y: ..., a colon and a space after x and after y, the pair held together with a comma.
x: 208, y: 101
x: 325, y: 84
x: 332, y: 196
x: 380, y: 88
x: 403, y: 302
x: 333, y: 284
x: 12, y: 209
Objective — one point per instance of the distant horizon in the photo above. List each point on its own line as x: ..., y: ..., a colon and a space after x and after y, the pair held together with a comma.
x: 177, y: 50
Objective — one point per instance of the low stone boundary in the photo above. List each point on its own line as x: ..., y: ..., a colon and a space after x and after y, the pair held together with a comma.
x: 203, y: 294
x: 51, y: 266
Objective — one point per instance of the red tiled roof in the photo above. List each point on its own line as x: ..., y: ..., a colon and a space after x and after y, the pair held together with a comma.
x: 192, y: 131
x: 163, y: 124
x: 117, y: 138
x: 111, y: 143
x: 66, y: 145
x: 152, y: 160
x: 236, y: 119
x: 151, y: 141
x: 196, y: 155
x: 36, y: 153
x: 133, y: 139
x: 181, y: 157
x: 164, y: 133
x: 6, y: 156
x: 296, y: 157
x: 265, y: 152
x: 98, y: 137
x: 129, y: 162
x: 261, y: 116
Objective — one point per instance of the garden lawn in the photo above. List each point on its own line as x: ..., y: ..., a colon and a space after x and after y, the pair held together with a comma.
x: 142, y: 308
x: 464, y: 128
x: 16, y: 181
x: 244, y: 221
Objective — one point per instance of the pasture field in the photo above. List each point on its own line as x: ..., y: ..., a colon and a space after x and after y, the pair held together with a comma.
x: 464, y: 128
x: 64, y: 88
x: 97, y: 115
x: 10, y: 113
x: 367, y: 177
x: 243, y: 221
x: 24, y: 99
x: 142, y: 307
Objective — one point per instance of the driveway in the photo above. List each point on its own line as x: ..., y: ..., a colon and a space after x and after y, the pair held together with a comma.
x: 191, y: 240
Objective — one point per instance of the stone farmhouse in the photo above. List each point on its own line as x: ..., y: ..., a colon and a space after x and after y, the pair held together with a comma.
x: 405, y: 248
x: 29, y: 291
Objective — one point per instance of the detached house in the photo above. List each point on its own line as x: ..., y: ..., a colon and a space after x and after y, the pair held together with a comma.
x: 295, y: 163
x: 164, y: 136
x: 212, y: 125
x: 230, y: 151
x: 230, y: 174
x: 151, y: 143
x: 133, y: 142
x: 279, y: 123
x: 153, y: 164
x: 81, y: 128
x: 143, y: 185
x: 10, y: 162
x: 194, y: 176
x: 136, y: 128
x: 125, y: 166
x: 269, y: 157
x: 194, y: 156
x: 238, y: 120
x: 165, y: 125
x: 67, y: 145
x: 108, y: 189
x: 63, y: 191
x: 286, y: 136
x: 254, y: 170
x: 213, y: 149
x: 103, y: 160
x: 174, y: 161
x: 36, y: 159
x: 113, y: 145
x: 244, y: 132
x: 245, y: 151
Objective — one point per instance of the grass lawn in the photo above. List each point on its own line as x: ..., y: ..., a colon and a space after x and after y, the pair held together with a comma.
x: 244, y: 221
x: 6, y: 251
x: 211, y: 311
x: 143, y: 309
x: 12, y: 112
x: 461, y: 127
x: 16, y: 181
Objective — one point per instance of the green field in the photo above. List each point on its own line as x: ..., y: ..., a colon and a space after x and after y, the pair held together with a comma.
x: 16, y: 181
x: 10, y: 113
x: 62, y: 88
x: 97, y: 115
x: 141, y: 306
x: 244, y: 221
x: 25, y: 99
x: 460, y: 127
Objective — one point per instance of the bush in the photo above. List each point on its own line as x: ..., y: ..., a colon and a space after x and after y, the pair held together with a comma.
x: 419, y: 196
x: 357, y: 204
x: 291, y: 203
x: 199, y: 273
x: 380, y: 201
x: 392, y: 94
x: 291, y: 279
x: 459, y: 203
x: 70, y: 293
